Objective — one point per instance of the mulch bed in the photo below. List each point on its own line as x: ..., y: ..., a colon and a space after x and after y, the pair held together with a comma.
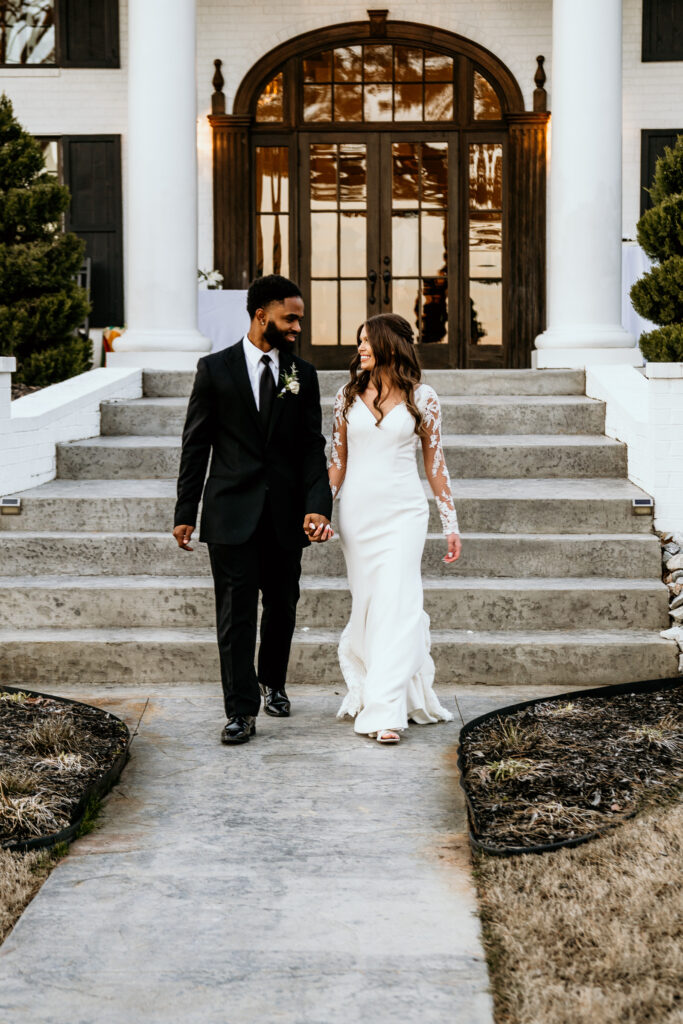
x: 21, y: 390
x: 55, y: 755
x: 557, y: 772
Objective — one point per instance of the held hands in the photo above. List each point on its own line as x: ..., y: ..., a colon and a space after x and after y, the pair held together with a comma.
x: 183, y: 535
x: 454, y: 548
x: 317, y: 528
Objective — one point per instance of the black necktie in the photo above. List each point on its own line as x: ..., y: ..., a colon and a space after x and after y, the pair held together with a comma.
x: 266, y: 390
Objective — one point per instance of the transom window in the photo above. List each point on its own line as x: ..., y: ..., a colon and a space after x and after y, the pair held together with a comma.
x: 379, y: 83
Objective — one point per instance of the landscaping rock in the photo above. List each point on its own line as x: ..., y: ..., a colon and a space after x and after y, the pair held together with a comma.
x: 675, y: 562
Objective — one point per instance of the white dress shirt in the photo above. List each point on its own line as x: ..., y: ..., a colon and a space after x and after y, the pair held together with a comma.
x: 255, y: 368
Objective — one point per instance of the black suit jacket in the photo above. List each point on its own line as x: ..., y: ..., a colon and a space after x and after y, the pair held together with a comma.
x: 283, y: 463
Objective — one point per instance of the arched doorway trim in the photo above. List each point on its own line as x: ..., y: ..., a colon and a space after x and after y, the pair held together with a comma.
x: 354, y: 32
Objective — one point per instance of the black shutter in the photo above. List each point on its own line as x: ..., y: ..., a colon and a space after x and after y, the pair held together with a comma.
x: 652, y: 144
x: 662, y: 30
x: 88, y: 32
x: 92, y: 170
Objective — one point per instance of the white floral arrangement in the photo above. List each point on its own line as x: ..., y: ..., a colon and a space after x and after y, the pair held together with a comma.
x: 290, y: 380
x: 210, y: 279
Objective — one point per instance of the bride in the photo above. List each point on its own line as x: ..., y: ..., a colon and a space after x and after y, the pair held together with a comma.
x: 380, y: 416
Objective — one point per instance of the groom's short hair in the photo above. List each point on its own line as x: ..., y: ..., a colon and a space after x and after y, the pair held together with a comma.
x: 271, y: 288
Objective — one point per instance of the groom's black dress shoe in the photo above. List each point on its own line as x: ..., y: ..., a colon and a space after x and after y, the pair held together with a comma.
x: 240, y: 729
x: 275, y: 702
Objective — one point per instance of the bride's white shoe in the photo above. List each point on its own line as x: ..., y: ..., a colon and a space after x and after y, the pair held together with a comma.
x: 387, y: 736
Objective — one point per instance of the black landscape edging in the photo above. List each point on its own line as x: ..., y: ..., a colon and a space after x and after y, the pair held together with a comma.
x: 644, y: 686
x: 97, y: 788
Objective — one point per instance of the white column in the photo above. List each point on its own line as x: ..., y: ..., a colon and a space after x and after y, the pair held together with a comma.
x: 8, y: 365
x: 584, y: 274
x: 161, y: 239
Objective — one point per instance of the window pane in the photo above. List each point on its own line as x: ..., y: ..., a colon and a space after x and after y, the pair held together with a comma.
x: 377, y: 63
x: 272, y: 179
x: 318, y: 68
x: 404, y: 189
x: 377, y: 105
x: 324, y: 244
x: 348, y: 64
x: 27, y: 32
x: 486, y: 244
x: 317, y: 103
x: 434, y: 310
x: 405, y: 244
x: 434, y: 243
x: 408, y: 103
x: 324, y: 312
x: 352, y: 244
x: 486, y: 102
x: 269, y: 106
x: 352, y: 175
x: 407, y: 64
x: 353, y: 310
x: 439, y: 102
x: 272, y: 245
x: 438, y: 67
x: 435, y: 174
x: 486, y: 312
x: 348, y: 102
x: 50, y: 148
x: 406, y: 301
x: 486, y: 176
x: 323, y: 177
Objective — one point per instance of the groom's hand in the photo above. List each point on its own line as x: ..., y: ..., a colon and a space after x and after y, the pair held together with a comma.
x: 317, y: 528
x: 183, y: 535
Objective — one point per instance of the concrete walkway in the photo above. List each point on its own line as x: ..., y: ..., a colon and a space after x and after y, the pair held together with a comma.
x: 309, y: 876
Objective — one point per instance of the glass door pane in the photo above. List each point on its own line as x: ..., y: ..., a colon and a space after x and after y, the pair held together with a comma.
x: 339, y: 233
x: 485, y: 243
x: 418, y: 228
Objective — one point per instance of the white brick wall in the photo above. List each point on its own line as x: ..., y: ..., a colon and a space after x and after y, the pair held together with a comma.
x: 32, y: 426
x: 645, y: 410
x: 90, y: 101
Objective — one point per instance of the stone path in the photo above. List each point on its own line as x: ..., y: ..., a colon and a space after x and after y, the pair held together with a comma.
x: 310, y: 876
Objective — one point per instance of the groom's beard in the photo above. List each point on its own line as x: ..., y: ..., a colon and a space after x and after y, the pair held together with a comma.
x: 278, y: 339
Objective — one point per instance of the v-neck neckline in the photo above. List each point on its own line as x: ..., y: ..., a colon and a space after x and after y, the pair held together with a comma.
x: 376, y: 418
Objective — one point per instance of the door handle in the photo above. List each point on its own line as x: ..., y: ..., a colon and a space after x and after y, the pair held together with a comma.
x: 372, y: 278
x: 386, y: 277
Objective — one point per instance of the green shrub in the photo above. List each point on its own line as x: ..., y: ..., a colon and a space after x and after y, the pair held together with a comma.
x: 41, y: 306
x: 663, y: 345
x: 660, y: 229
x: 658, y: 295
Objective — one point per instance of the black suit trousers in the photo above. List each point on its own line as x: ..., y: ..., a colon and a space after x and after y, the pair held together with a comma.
x: 240, y: 571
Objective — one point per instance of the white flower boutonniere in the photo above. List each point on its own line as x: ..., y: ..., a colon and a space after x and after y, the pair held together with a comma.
x: 290, y: 380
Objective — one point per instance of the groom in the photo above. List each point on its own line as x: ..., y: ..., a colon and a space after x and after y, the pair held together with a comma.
x: 255, y: 408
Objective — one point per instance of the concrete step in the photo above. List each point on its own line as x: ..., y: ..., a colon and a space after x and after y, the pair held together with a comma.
x: 178, y: 383
x: 466, y: 602
x: 532, y: 505
x: 41, y: 658
x: 468, y: 414
x: 467, y: 455
x: 621, y: 556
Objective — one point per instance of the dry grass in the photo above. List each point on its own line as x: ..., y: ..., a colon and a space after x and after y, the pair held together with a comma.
x: 592, y: 935
x: 21, y: 875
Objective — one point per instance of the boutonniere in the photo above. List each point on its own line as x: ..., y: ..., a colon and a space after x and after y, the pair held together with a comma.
x: 290, y: 380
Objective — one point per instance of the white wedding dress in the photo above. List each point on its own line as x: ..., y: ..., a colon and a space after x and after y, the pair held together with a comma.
x: 384, y: 651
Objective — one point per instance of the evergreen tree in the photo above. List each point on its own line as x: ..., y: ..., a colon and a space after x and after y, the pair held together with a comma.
x: 658, y: 295
x: 41, y: 306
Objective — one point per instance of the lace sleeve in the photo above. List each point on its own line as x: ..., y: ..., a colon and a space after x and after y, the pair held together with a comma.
x: 337, y: 465
x: 435, y: 463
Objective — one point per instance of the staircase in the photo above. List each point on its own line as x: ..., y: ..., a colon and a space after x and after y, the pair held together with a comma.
x: 559, y: 583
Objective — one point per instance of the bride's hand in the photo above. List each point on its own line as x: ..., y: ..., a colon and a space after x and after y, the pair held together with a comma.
x: 454, y: 548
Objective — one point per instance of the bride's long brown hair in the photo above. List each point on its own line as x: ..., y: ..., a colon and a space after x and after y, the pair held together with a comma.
x: 390, y: 337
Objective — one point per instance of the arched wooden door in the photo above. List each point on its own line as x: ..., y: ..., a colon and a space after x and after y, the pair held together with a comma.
x: 382, y: 172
